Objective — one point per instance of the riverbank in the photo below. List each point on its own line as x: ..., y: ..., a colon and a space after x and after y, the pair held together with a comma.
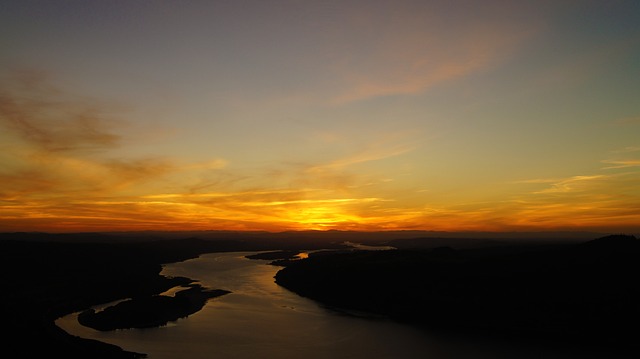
x: 46, y: 280
x: 260, y: 319
x: 575, y: 294
x: 48, y: 276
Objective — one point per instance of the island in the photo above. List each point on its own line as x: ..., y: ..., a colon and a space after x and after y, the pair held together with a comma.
x: 149, y: 311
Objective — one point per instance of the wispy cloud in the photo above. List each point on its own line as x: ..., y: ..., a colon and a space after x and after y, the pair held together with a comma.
x: 65, y: 164
x: 213, y: 164
x: 594, y: 202
x: 407, y: 53
x: 538, y: 181
x: 375, y: 152
x: 282, y: 208
x: 572, y: 184
x: 43, y: 117
x: 626, y: 121
x: 61, y: 144
x: 627, y: 149
x: 621, y: 163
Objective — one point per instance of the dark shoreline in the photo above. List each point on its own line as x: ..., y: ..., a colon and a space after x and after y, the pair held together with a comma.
x: 582, y: 295
x: 55, y: 279
x: 48, y: 276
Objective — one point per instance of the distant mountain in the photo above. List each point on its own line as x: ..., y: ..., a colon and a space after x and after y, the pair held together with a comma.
x: 309, y: 235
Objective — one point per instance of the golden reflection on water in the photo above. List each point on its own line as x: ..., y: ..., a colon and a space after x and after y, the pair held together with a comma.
x: 260, y: 319
x: 171, y: 292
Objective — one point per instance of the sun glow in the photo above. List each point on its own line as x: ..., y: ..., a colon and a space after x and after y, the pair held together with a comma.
x: 319, y: 218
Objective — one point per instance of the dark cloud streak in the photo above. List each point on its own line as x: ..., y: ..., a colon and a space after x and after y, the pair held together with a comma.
x: 48, y: 120
x: 60, y: 145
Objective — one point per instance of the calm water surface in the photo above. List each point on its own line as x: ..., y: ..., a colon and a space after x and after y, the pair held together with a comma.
x: 260, y: 319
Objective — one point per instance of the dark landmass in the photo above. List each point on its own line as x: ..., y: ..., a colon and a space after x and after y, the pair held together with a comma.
x: 274, y: 255
x: 46, y: 276
x: 149, y: 311
x: 314, y: 238
x: 581, y: 293
x: 49, y: 275
x: 47, y: 280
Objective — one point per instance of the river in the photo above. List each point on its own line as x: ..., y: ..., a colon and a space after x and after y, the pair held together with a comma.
x: 260, y: 319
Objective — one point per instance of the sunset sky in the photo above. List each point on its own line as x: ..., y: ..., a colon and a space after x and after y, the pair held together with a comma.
x: 352, y: 115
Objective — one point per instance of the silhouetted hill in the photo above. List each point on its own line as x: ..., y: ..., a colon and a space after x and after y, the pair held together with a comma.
x: 586, y: 293
x: 313, y: 237
x: 619, y: 243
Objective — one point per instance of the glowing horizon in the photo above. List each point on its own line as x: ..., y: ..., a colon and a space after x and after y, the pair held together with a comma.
x: 323, y: 115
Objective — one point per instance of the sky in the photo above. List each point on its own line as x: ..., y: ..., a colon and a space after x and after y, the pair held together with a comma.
x: 297, y: 115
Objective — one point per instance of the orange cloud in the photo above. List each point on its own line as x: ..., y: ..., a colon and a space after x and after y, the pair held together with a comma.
x: 373, y: 153
x: 65, y: 176
x: 622, y: 163
x: 573, y: 184
x: 58, y: 163
x: 409, y: 53
x: 591, y: 201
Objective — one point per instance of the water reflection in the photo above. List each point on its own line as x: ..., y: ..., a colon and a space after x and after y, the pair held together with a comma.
x: 258, y: 319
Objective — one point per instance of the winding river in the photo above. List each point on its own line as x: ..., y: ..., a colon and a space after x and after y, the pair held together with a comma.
x: 260, y: 319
